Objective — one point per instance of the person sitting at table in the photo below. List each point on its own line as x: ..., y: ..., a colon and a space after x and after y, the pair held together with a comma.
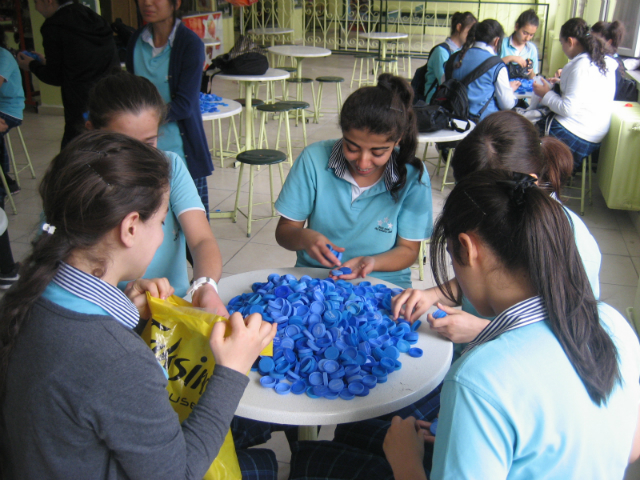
x: 518, y: 47
x: 82, y: 395
x: 584, y: 106
x: 461, y: 23
x: 492, y: 91
x: 525, y: 398
x: 125, y: 103
x: 170, y: 55
x: 502, y: 141
x: 366, y: 194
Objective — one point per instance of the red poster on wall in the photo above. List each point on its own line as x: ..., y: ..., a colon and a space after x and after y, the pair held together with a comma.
x: 208, y: 26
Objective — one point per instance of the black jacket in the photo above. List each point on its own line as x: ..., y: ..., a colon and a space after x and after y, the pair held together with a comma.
x: 80, y: 49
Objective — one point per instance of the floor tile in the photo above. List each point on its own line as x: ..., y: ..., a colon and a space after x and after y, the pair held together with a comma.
x: 609, y: 241
x: 632, y: 240
x: 636, y: 263
x: 618, y: 270
x: 254, y: 256
x: 618, y: 296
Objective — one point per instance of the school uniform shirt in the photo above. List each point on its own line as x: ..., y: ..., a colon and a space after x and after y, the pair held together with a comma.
x: 170, y: 260
x: 586, y: 103
x: 435, y: 67
x: 86, y: 397
x: 482, y: 90
x: 11, y: 92
x: 365, y: 221
x: 514, y: 407
x: 528, y: 51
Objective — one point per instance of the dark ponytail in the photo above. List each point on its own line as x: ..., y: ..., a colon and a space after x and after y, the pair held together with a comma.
x: 541, y: 246
x: 97, y: 180
x: 466, y: 19
x: 386, y: 110
x: 595, y: 46
x: 613, y: 32
x: 508, y: 141
x: 484, y: 31
x: 120, y: 93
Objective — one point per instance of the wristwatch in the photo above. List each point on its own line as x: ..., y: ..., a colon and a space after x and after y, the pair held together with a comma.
x: 196, y: 284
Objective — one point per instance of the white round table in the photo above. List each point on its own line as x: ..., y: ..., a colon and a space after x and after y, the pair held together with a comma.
x: 383, y: 38
x: 232, y: 108
x: 272, y: 74
x: 299, y: 52
x: 271, y: 32
x: 416, y: 378
x: 445, y: 135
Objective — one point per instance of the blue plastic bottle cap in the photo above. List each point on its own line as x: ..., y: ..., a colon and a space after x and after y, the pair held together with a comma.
x: 403, y: 346
x: 415, y: 352
x: 317, y: 308
x: 320, y: 390
x: 325, y: 379
x: 411, y: 337
x: 331, y: 353
x: 364, y: 392
x: 354, y: 379
x: 356, y: 388
x: 345, y: 394
x: 346, y: 270
x: 388, y: 363
x: 336, y: 273
x: 283, y: 388
x: 331, y: 366
x: 369, y: 381
x: 289, y: 355
x: 298, y: 387
x: 266, y: 364
x: 268, y: 382
x: 315, y: 378
x: 434, y: 426
x: 439, y: 314
x: 310, y: 393
x: 331, y: 395
x: 392, y: 352
x: 336, y: 385
x: 416, y: 325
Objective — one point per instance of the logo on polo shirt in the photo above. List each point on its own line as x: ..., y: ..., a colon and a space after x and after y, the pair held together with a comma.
x: 385, y: 226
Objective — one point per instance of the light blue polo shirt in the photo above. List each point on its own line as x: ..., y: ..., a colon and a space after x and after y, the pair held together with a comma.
x: 368, y: 225
x: 170, y: 260
x: 154, y: 66
x: 435, y: 67
x: 528, y: 51
x: 515, y: 408
x: 589, y: 254
x: 11, y: 92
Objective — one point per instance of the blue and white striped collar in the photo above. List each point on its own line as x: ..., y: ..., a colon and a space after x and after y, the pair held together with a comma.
x: 340, y: 165
x: 98, y: 292
x: 521, y: 314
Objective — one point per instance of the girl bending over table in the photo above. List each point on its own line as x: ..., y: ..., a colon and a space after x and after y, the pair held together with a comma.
x: 366, y: 195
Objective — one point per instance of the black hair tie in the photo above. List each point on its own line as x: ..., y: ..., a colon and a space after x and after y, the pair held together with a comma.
x: 517, y: 187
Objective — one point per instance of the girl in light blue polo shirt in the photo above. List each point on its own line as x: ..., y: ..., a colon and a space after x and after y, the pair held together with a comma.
x: 504, y: 140
x: 366, y: 195
x: 518, y: 47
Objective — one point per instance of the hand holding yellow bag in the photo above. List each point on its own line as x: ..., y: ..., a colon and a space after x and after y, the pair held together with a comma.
x: 178, y: 335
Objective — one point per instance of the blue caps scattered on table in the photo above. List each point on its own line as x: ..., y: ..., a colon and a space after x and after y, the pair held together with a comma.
x: 341, y: 271
x: 526, y: 86
x: 334, y: 339
x: 209, y: 103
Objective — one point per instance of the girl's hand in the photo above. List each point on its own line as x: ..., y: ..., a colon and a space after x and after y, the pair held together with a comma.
x: 316, y: 247
x: 137, y: 293
x: 425, y: 427
x: 248, y: 338
x: 541, y: 88
x: 457, y: 326
x: 404, y: 448
x: 360, y: 268
x: 412, y: 304
x: 515, y: 84
x: 558, y: 73
x: 206, y: 297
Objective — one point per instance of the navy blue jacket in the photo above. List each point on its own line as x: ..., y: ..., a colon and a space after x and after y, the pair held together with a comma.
x: 185, y: 77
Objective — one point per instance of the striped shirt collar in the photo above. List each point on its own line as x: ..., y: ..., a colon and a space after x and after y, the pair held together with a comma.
x: 147, y: 35
x: 521, y: 314
x: 98, y: 292
x: 340, y: 165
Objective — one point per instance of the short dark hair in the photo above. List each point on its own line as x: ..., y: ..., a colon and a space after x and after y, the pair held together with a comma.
x: 528, y: 17
x: 613, y: 31
x: 484, y: 31
x: 466, y: 19
x: 595, y: 46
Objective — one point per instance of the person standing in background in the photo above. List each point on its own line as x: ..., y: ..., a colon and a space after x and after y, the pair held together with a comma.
x: 172, y: 57
x: 79, y: 50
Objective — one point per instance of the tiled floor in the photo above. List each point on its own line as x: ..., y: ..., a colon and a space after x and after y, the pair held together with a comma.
x: 618, y: 240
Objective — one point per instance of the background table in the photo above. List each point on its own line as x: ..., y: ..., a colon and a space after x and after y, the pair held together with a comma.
x: 416, y: 378
x: 300, y: 52
x: 383, y: 38
x: 232, y: 108
x: 271, y: 32
x: 271, y: 75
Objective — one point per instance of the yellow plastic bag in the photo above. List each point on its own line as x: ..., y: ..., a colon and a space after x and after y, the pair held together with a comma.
x: 178, y: 335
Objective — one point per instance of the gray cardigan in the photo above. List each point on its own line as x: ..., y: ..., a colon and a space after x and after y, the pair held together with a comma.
x: 86, y: 398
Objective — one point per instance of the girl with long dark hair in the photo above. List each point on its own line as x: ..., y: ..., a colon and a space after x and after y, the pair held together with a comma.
x: 366, y: 195
x: 588, y: 85
x: 518, y: 47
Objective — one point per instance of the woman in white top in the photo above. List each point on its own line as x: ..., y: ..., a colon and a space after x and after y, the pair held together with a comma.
x: 583, y: 109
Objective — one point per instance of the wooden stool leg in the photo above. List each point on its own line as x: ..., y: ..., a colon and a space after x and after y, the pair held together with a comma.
x: 250, y: 213
x: 235, y: 208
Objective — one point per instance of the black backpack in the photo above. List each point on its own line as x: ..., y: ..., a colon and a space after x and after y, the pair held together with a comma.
x: 452, y: 94
x: 419, y: 80
x: 245, y: 58
x: 626, y: 89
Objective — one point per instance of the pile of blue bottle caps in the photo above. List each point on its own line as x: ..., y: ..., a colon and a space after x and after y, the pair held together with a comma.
x: 209, y: 103
x: 335, y: 339
x: 526, y: 86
